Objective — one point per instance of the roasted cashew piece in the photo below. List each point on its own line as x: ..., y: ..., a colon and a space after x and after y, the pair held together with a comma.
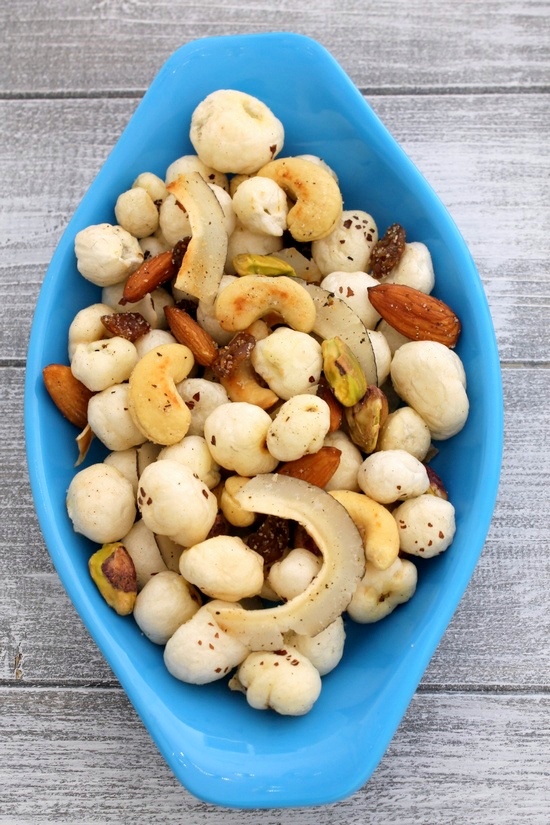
x: 154, y: 402
x: 374, y: 523
x: 318, y: 200
x: 254, y: 296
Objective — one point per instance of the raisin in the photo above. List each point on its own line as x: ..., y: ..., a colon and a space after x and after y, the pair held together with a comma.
x: 387, y: 252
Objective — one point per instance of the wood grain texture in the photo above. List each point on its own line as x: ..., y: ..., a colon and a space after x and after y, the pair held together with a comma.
x: 106, y: 46
x: 456, y: 758
x: 464, y: 87
x: 498, y: 637
x: 492, y: 180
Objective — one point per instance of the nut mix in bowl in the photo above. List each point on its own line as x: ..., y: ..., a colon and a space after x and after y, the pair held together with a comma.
x: 245, y: 346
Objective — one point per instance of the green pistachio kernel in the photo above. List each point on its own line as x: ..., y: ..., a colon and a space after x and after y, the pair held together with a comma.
x: 248, y: 264
x: 343, y: 371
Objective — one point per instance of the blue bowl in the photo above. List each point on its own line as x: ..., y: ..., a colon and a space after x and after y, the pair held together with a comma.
x: 220, y: 749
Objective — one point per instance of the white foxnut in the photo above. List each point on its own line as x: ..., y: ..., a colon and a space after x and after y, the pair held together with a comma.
x: 285, y: 681
x: 106, y: 254
x: 153, y: 246
x: 324, y: 650
x: 101, y: 503
x: 202, y: 397
x: 261, y: 206
x: 235, y: 132
x: 170, y: 552
x: 320, y: 162
x: 87, y: 327
x: 200, y: 652
x: 153, y: 339
x: 380, y: 591
x: 352, y: 288
x: 153, y: 185
x: 192, y: 163
x: 382, y: 354
x: 193, y: 452
x: 351, y: 458
x: 206, y: 315
x: 392, y: 475
x: 393, y: 338
x: 141, y: 545
x: 110, y: 419
x: 426, y: 525
x: 151, y: 306
x: 347, y: 248
x: 103, y: 364
x: 414, y: 269
x: 290, y: 362
x: 243, y: 240
x: 299, y: 427
x: 404, y: 429
x: 294, y: 572
x: 136, y: 212
x: 164, y: 487
x: 430, y: 378
x: 163, y: 605
x: 126, y: 462
x: 173, y: 221
x: 223, y: 567
x: 236, y: 436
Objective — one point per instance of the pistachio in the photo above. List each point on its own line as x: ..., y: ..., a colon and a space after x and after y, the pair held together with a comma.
x: 248, y: 264
x: 366, y: 417
x: 114, y: 574
x: 343, y: 371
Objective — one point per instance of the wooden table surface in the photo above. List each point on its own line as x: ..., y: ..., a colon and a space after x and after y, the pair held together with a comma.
x: 464, y: 86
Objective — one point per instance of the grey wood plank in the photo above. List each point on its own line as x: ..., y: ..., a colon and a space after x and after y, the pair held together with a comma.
x: 82, y: 756
x: 487, y: 157
x: 498, y: 637
x: 413, y: 45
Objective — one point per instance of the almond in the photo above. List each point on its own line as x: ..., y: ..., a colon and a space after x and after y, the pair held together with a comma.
x: 150, y: 275
x: 187, y: 331
x: 69, y: 394
x: 414, y: 314
x: 317, y: 468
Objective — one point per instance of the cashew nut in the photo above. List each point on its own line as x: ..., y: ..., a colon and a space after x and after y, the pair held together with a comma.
x: 318, y: 200
x: 374, y: 522
x: 154, y: 402
x: 253, y: 296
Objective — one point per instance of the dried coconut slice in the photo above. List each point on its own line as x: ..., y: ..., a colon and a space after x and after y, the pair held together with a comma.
x: 331, y: 590
x: 203, y: 262
x: 336, y: 318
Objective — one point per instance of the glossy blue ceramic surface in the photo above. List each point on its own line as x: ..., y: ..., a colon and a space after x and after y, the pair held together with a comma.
x: 220, y: 749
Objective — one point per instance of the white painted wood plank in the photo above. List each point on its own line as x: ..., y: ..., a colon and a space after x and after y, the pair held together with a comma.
x: 411, y: 44
x: 499, y: 634
x: 82, y: 756
x: 488, y: 157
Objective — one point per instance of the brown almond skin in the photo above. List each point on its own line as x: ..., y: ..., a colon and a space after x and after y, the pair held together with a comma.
x: 316, y: 468
x: 187, y: 331
x: 69, y: 395
x: 150, y: 275
x: 414, y: 314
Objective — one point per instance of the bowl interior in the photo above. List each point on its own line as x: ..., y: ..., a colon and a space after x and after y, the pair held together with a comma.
x: 223, y: 751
